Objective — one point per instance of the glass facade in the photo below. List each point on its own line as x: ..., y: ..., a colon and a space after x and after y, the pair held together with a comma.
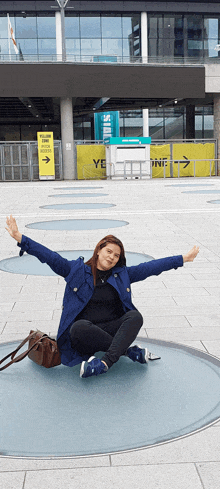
x: 170, y: 123
x: 183, y: 36
x: 102, y: 35
x: 112, y: 37
x: 35, y: 34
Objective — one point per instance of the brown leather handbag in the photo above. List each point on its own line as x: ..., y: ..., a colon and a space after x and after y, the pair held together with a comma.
x: 42, y: 350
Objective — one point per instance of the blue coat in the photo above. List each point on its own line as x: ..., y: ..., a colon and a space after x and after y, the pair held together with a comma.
x: 79, y: 287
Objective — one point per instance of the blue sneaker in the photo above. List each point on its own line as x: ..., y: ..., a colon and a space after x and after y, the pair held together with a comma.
x: 138, y: 354
x: 94, y: 366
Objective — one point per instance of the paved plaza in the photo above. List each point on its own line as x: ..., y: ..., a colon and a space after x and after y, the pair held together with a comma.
x: 181, y: 306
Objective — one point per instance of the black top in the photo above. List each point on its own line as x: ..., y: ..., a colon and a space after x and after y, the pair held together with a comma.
x: 104, y: 305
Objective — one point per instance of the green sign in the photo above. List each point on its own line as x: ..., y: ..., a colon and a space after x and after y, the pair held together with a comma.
x: 106, y: 125
x: 120, y: 141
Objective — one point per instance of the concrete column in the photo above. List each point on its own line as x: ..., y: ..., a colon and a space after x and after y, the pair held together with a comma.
x: 217, y: 127
x: 68, y: 147
x: 58, y: 35
x: 190, y: 122
x: 144, y: 54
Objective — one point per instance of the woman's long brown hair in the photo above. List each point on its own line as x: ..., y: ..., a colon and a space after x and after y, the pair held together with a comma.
x: 92, y: 262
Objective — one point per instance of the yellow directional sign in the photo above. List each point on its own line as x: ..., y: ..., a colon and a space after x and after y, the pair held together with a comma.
x: 46, y: 156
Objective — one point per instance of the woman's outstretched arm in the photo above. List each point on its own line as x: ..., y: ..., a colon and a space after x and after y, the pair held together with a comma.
x: 13, y: 228
x: 56, y: 262
x: 191, y: 255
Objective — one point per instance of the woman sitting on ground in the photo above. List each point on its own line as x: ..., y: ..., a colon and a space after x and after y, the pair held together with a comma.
x: 98, y: 314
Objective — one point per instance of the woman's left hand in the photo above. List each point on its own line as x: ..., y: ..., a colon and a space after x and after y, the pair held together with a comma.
x: 192, y: 254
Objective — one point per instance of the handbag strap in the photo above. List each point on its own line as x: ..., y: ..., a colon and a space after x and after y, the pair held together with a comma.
x: 22, y: 355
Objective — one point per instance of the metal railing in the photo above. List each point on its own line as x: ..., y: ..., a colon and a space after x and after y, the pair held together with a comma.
x: 19, y: 161
x: 169, y: 168
x: 129, y: 169
x: 101, y: 59
x: 133, y: 169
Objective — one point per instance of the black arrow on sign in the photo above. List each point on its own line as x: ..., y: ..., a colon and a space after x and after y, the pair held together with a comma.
x: 188, y: 161
x: 46, y: 159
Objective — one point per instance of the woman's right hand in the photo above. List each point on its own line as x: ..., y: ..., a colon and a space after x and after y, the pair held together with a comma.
x: 13, y: 228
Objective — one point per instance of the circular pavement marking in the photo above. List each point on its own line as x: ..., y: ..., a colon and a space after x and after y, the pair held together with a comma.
x: 130, y: 407
x: 29, y: 265
x: 77, y: 224
x: 201, y: 191
x: 77, y: 195
x: 76, y: 205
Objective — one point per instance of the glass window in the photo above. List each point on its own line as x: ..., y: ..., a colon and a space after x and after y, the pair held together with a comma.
x: 112, y: 46
x: 131, y: 47
x: 156, y: 127
x: 210, y: 48
x: 131, y: 26
x: 167, y: 47
x: 25, y: 27
x: 27, y: 46
x: 90, y: 27
x: 211, y: 28
x: 179, y: 48
x: 174, y: 125
x: 90, y: 46
x: 78, y: 130
x: 198, y: 126
x: 4, y: 26
x: 178, y: 27
x: 4, y: 47
x: 73, y: 46
x: 168, y: 29
x: 194, y: 26
x: 152, y: 27
x: 46, y: 27
x: 111, y: 26
x: 195, y: 48
x: 152, y: 48
x: 47, y: 46
x: 72, y: 27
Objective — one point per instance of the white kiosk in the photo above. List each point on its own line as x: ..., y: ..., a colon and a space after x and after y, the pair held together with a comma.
x: 128, y: 157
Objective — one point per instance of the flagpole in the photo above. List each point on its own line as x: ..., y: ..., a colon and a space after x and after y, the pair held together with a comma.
x: 9, y: 46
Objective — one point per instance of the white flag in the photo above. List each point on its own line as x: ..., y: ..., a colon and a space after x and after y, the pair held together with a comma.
x: 11, y: 35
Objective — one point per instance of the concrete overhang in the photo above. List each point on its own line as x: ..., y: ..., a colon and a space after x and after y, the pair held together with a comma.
x: 99, y: 80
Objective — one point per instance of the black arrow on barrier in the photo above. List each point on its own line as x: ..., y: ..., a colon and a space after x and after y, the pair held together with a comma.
x: 188, y: 161
x: 46, y: 159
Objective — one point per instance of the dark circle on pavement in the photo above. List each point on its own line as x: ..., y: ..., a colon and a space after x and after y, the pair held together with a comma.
x: 29, y: 265
x: 76, y: 205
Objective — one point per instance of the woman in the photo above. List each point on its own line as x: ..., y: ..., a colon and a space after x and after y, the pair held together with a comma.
x: 98, y: 314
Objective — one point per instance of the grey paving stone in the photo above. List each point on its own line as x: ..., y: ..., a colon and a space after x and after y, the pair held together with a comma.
x: 210, y: 474
x: 196, y: 299
x: 213, y: 347
x: 8, y: 464
x: 200, y: 447
x: 165, y: 322
x: 161, y: 477
x: 23, y: 327
x: 182, y: 335
x: 198, y: 321
x: 6, y: 306
x: 23, y: 306
x: 12, y: 480
x: 214, y: 291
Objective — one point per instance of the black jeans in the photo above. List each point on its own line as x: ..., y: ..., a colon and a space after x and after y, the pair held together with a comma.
x: 113, y: 338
